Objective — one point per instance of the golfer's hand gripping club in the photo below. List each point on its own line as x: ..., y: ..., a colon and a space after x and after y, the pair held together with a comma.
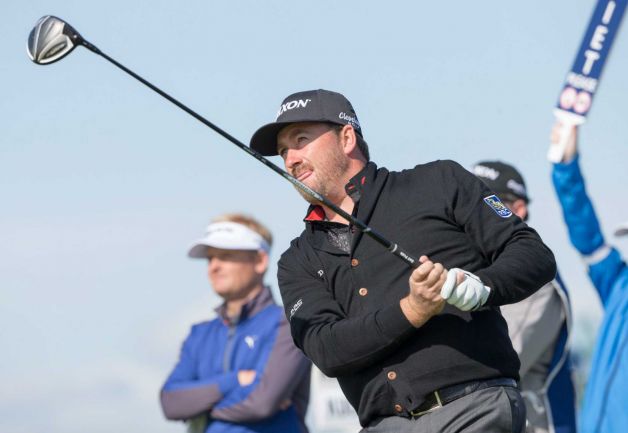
x: 424, y: 299
x: 464, y: 290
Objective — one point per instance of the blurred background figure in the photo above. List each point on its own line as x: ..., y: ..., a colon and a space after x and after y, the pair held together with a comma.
x: 539, y: 326
x: 605, y: 405
x: 329, y: 410
x: 241, y: 371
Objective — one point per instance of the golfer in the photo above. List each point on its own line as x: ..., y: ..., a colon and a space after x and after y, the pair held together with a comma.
x: 423, y: 350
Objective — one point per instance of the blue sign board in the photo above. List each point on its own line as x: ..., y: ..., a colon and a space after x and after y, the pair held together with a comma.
x: 582, y: 81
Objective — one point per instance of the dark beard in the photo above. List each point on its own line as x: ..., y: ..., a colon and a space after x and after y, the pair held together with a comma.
x: 331, y: 174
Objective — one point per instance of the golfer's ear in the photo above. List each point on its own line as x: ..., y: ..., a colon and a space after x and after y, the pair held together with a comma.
x: 348, y: 139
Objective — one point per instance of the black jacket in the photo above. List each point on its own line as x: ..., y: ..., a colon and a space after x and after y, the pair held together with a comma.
x: 344, y: 309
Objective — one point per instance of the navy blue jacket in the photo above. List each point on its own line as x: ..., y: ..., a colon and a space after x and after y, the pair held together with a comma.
x: 560, y: 392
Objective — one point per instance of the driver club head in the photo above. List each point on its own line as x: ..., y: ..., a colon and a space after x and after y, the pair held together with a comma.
x: 51, y: 39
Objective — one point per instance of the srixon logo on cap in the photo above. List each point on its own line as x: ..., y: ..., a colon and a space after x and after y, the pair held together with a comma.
x: 297, y: 103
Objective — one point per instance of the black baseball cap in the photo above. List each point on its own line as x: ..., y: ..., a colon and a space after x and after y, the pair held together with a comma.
x: 503, y: 179
x: 309, y: 106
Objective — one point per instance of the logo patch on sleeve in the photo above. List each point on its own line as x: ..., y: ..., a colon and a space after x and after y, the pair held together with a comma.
x: 496, y: 204
x: 295, y: 307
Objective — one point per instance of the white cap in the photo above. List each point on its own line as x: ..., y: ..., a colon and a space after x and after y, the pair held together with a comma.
x: 228, y: 235
x: 622, y: 230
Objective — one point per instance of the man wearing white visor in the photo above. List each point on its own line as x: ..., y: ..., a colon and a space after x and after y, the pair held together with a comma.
x: 241, y: 371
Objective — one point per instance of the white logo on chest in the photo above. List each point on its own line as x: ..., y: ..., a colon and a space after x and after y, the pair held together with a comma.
x: 250, y: 341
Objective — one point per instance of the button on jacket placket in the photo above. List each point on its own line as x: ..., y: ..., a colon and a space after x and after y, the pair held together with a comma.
x: 364, y: 211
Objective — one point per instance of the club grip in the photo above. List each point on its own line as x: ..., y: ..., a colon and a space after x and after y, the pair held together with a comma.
x: 412, y: 261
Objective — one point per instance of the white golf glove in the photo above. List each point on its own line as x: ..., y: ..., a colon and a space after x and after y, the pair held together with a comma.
x: 469, y: 295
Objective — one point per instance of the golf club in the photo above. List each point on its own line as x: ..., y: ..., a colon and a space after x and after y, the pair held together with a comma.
x: 52, y: 39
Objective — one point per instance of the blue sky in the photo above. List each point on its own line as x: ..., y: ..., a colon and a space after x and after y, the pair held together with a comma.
x: 105, y: 184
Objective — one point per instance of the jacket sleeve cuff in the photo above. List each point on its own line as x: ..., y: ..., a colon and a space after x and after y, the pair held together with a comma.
x: 394, y: 323
x: 568, y: 165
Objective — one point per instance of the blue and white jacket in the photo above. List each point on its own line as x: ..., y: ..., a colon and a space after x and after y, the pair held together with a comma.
x: 205, y: 380
x: 605, y: 405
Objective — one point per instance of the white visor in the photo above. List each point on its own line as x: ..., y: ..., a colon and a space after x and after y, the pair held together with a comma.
x: 227, y: 235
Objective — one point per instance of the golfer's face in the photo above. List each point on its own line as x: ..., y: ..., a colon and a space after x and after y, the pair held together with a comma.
x: 233, y: 273
x: 312, y: 153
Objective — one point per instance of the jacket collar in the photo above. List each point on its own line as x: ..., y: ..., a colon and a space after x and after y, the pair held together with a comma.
x: 262, y: 300
x: 368, y: 183
x: 371, y: 181
x: 364, y: 188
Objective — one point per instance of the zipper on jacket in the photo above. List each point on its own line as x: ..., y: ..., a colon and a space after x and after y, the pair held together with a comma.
x: 226, y: 360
